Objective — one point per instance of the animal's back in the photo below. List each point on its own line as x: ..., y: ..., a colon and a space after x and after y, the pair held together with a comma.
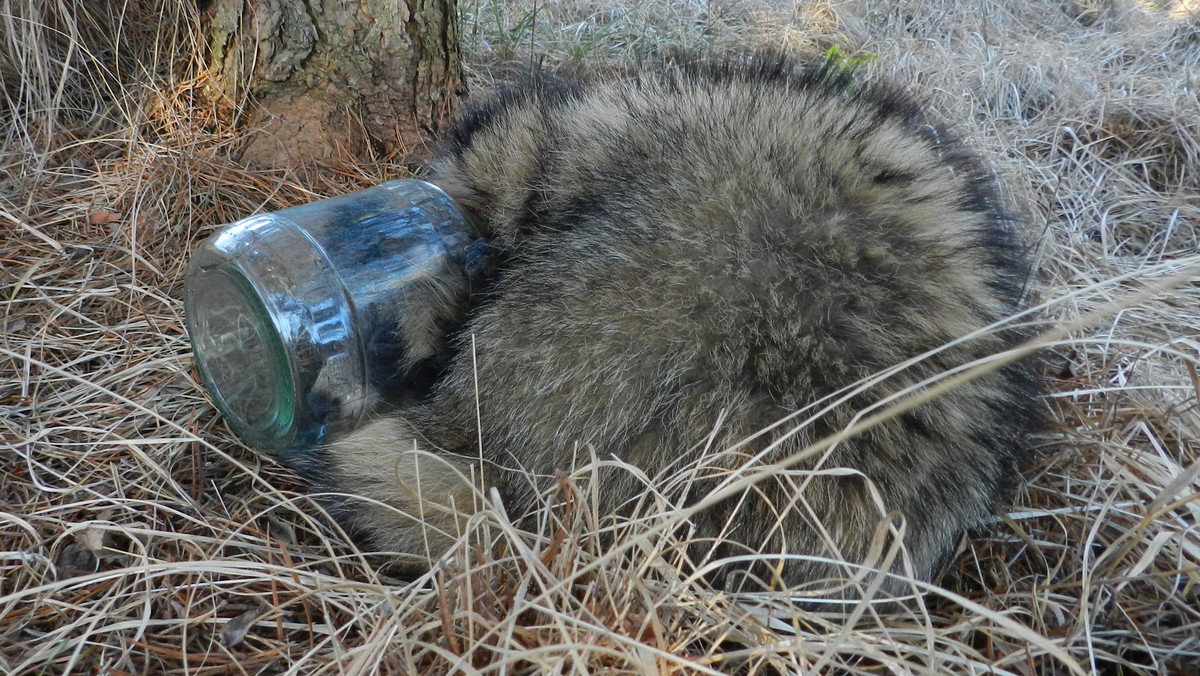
x: 692, y: 255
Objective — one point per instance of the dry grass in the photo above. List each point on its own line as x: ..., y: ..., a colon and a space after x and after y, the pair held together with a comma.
x: 137, y: 537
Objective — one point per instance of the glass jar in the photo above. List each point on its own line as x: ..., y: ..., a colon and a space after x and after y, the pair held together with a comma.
x: 292, y: 314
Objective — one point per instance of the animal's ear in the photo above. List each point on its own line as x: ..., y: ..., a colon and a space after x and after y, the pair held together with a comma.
x: 468, y: 199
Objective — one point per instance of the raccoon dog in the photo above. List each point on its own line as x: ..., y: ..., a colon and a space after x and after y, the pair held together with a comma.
x: 686, y: 257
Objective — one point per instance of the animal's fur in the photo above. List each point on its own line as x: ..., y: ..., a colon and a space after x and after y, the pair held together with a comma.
x: 723, y: 242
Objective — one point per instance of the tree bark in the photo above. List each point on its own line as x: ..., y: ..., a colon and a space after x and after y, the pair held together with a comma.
x: 324, y: 77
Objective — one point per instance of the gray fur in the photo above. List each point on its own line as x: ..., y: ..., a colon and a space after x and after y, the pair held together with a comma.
x: 738, y: 240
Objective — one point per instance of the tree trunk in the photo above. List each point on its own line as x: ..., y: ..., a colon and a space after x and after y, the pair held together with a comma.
x: 324, y: 77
